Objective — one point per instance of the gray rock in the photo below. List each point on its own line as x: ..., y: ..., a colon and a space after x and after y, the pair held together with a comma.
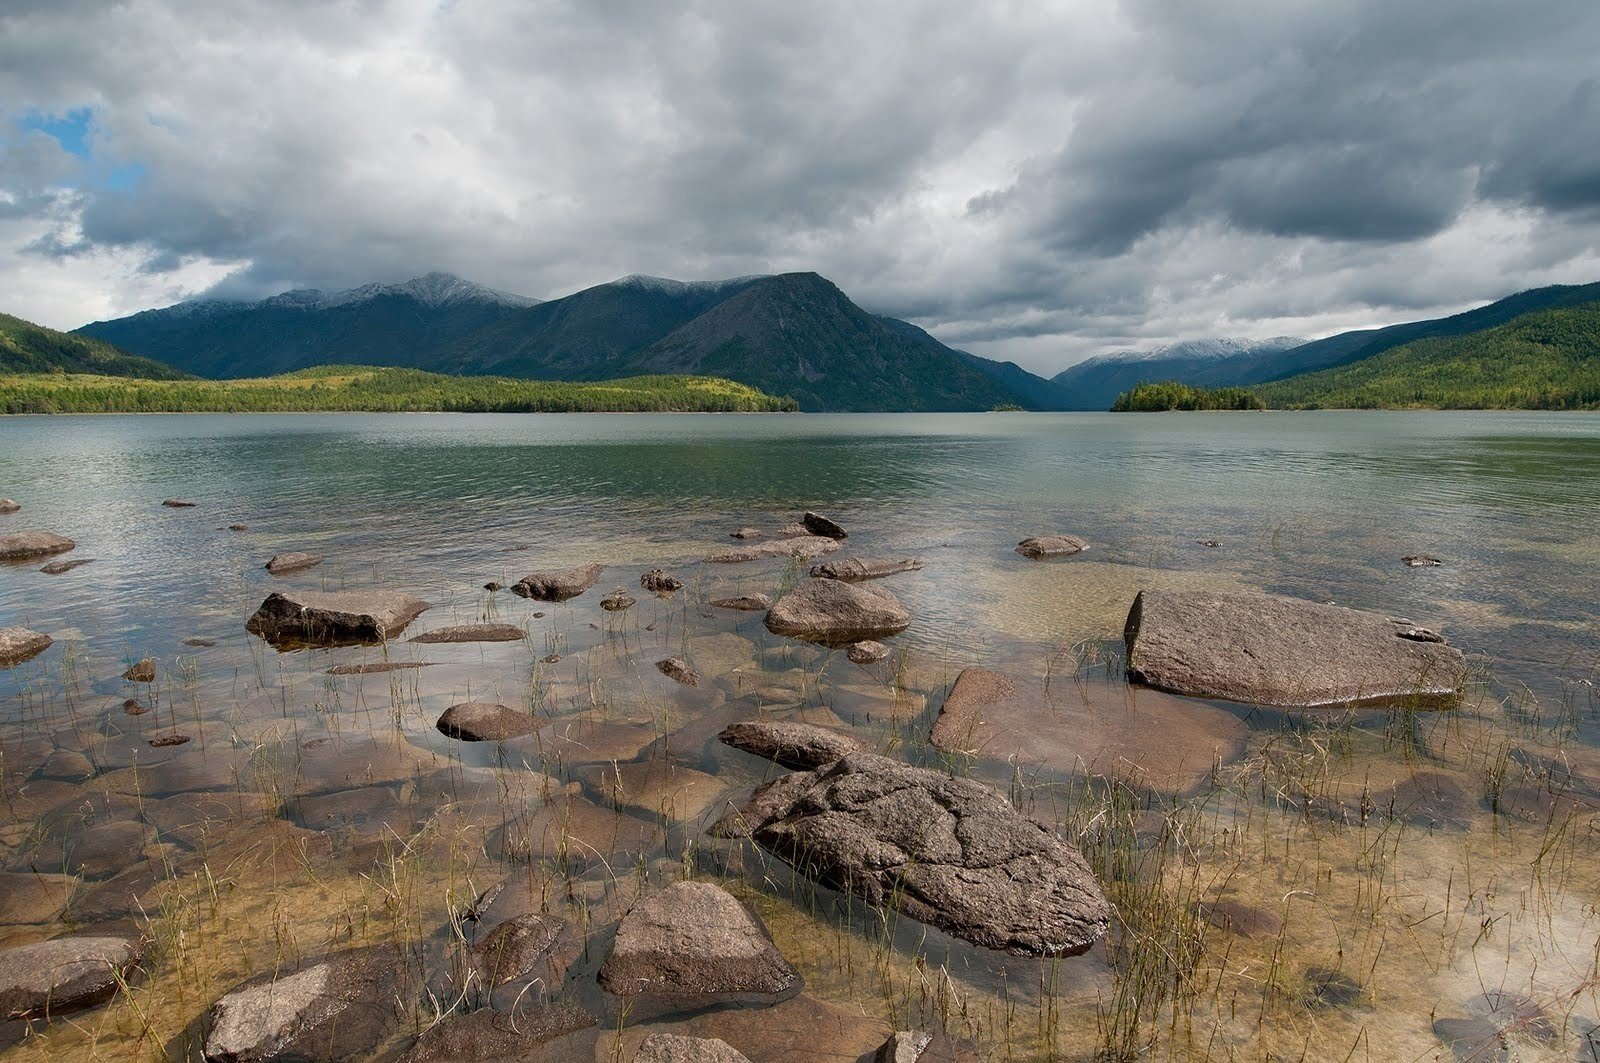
x: 867, y: 651
x: 22, y: 545
x: 749, y: 603
x: 920, y: 1046
x: 817, y: 524
x: 283, y: 564
x: 336, y: 1009
x: 56, y: 568
x: 18, y: 644
x: 9, y: 506
x: 799, y: 746
x: 1268, y: 650
x: 511, y: 1037
x: 333, y: 618
x: 557, y: 586
x: 676, y: 668
x: 694, y: 939
x: 1040, y: 546
x: 143, y: 671
x: 472, y: 633
x: 675, y: 1048
x: 836, y: 613
x: 63, y: 974
x: 532, y: 948
x: 804, y: 547
x: 658, y: 582
x: 950, y: 852
x: 482, y: 721
x: 177, y: 503
x: 857, y: 570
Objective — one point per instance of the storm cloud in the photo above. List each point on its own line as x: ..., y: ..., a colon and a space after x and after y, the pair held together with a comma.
x: 1031, y: 181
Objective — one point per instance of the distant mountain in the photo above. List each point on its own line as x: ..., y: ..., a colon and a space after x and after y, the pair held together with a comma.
x: 1095, y: 384
x: 797, y: 334
x: 1027, y: 390
x: 1547, y: 359
x: 29, y: 348
x: 406, y: 324
x: 581, y: 336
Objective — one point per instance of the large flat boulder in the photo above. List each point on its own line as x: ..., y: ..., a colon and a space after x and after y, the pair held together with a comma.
x: 950, y: 852
x: 837, y: 613
x: 473, y: 633
x: 337, y: 1009
x: 695, y: 939
x: 63, y: 974
x: 557, y: 586
x: 859, y: 569
x: 334, y: 618
x: 18, y: 644
x: 1039, y: 547
x: 24, y: 545
x: 1122, y: 732
x: 530, y: 1034
x: 804, y: 547
x: 676, y: 1048
x: 1264, y: 649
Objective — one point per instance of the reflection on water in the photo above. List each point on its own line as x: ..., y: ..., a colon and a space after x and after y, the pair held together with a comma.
x: 1424, y: 864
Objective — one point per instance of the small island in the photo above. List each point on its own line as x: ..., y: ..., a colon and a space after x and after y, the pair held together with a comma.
x: 1170, y: 395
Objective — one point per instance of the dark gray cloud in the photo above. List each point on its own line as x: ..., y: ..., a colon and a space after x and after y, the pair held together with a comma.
x: 1030, y: 181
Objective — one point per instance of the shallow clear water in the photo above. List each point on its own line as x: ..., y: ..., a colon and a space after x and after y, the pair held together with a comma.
x: 1317, y: 505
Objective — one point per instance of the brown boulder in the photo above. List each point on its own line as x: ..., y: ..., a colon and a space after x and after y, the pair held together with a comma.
x: 333, y: 618
x: 56, y: 568
x: 531, y: 948
x: 658, y: 582
x: 950, y: 852
x: 1040, y: 546
x: 472, y: 633
x: 482, y: 721
x: 798, y: 746
x: 817, y: 524
x: 804, y: 547
x: 694, y: 939
x: 1264, y: 649
x: 18, y: 644
x: 142, y: 672
x: 177, y: 503
x: 23, y: 545
x: 749, y: 603
x: 858, y: 570
x: 9, y: 506
x: 675, y: 1048
x: 867, y: 651
x: 64, y: 974
x: 283, y: 564
x: 836, y: 613
x: 557, y: 586
x: 677, y: 669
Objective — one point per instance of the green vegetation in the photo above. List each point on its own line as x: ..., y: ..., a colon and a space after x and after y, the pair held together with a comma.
x: 29, y: 348
x: 1171, y: 395
x: 1547, y: 360
x: 367, y: 389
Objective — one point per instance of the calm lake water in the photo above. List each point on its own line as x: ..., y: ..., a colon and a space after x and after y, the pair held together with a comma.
x: 1316, y: 505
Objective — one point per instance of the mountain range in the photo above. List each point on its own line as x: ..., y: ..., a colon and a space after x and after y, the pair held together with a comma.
x: 793, y: 334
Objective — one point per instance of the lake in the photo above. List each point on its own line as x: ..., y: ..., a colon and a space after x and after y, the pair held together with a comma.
x: 1273, y: 894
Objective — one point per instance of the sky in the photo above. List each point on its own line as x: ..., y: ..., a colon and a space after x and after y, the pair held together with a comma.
x: 1032, y: 181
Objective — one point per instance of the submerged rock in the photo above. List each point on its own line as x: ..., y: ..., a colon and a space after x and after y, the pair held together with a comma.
x: 528, y: 948
x: 817, y: 524
x: 867, y: 651
x: 332, y: 618
x: 1494, y: 1022
x: 283, y: 564
x: 64, y: 974
x: 56, y: 568
x: 677, y: 669
x: 18, y: 644
x: 749, y: 603
x: 177, y: 503
x: 1136, y: 735
x: 557, y: 586
x: 23, y: 545
x: 472, y: 633
x: 675, y: 1048
x: 482, y: 721
x: 694, y: 939
x: 799, y: 746
x: 950, y: 852
x: 142, y: 672
x: 857, y: 570
x: 1040, y: 546
x: 920, y: 1046
x: 747, y: 533
x: 336, y: 1009
x: 804, y: 547
x: 617, y: 602
x: 1265, y: 649
x: 376, y: 667
x: 836, y: 613
x: 9, y: 506
x: 658, y: 582
x: 487, y: 1034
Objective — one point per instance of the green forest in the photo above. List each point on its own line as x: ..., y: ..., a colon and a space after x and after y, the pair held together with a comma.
x: 1170, y: 395
x: 29, y: 348
x: 364, y: 389
x: 1548, y: 360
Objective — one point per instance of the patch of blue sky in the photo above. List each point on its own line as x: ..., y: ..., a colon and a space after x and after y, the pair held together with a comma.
x: 73, y: 130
